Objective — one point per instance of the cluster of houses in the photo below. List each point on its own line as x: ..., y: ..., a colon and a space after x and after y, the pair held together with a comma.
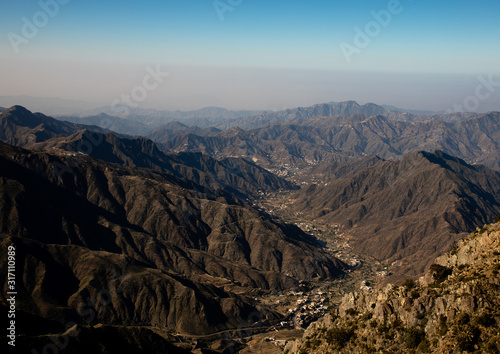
x: 308, y: 308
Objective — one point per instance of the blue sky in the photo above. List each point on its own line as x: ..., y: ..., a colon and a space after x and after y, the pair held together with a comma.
x: 96, y: 50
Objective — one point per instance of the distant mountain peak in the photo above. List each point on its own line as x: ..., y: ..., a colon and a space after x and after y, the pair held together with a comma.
x: 175, y: 125
x: 352, y: 103
x: 15, y: 107
x: 18, y: 109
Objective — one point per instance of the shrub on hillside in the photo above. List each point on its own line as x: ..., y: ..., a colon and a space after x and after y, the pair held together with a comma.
x: 440, y: 273
x: 338, y: 337
x: 409, y: 284
x: 413, y: 337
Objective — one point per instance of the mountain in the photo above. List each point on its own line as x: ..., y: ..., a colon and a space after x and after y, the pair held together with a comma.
x: 172, y: 129
x: 333, y: 110
x: 395, y: 209
x: 326, y: 173
x: 236, y: 176
x: 329, y: 110
x: 19, y: 126
x: 337, y: 141
x: 453, y: 309
x: 203, y: 118
x: 209, y: 120
x: 303, y: 113
x: 169, y: 241
x: 243, y: 178
x: 163, y: 252
x: 271, y: 147
x: 116, y: 124
x: 142, y: 121
x: 102, y: 339
x: 347, y: 138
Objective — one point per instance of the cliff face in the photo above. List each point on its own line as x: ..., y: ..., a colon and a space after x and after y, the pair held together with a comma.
x: 454, y: 308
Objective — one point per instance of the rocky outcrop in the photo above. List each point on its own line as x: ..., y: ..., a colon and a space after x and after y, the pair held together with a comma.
x: 454, y: 308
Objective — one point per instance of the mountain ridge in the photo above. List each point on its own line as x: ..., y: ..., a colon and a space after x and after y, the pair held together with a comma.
x: 319, y: 140
x: 394, y: 208
x: 238, y: 177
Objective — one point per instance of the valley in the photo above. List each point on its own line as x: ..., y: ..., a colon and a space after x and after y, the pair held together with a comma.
x: 250, y: 177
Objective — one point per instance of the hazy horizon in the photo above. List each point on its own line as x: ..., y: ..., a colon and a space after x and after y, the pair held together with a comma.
x: 254, y: 55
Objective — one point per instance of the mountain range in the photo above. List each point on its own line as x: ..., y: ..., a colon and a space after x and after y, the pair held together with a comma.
x: 170, y: 225
x: 141, y: 121
x: 324, y: 140
x: 77, y: 227
x: 122, y: 217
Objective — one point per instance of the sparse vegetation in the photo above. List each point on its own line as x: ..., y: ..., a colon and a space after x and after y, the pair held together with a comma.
x: 493, y: 345
x: 468, y: 337
x: 443, y: 326
x: 420, y: 316
x: 496, y: 269
x: 397, y: 323
x: 486, y: 320
x: 415, y: 326
x: 424, y: 346
x: 338, y: 337
x: 383, y: 328
x: 413, y: 337
x: 463, y: 319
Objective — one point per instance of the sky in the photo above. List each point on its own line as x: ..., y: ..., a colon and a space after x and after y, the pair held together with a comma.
x: 253, y: 54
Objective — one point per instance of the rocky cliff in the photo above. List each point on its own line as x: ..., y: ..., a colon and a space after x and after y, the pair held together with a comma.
x: 454, y: 308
